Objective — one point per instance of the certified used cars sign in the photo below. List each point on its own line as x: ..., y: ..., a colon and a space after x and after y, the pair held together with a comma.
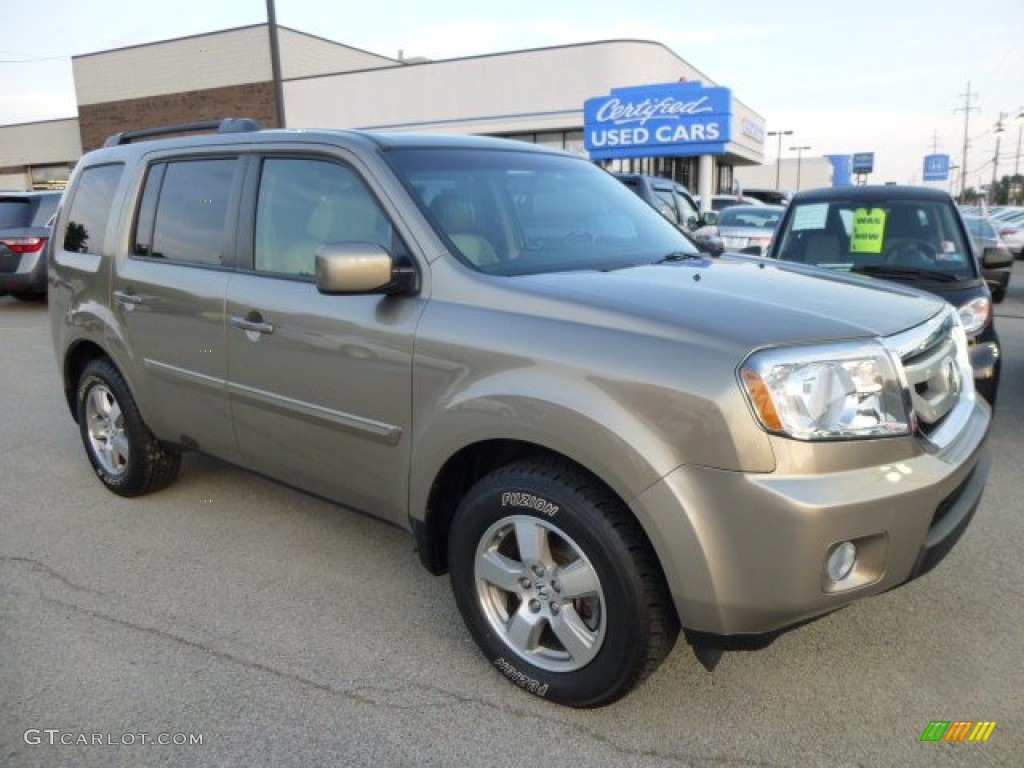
x: 669, y: 118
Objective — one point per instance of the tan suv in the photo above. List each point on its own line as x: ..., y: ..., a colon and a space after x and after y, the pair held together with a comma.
x: 602, y: 435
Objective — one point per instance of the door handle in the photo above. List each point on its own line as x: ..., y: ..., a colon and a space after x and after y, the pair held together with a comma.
x: 252, y: 323
x: 126, y: 299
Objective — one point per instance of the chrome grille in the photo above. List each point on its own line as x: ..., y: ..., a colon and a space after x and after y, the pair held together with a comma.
x: 934, y: 380
x: 937, y: 375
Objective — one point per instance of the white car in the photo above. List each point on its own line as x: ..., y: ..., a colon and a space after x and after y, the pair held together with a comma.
x: 1011, y: 230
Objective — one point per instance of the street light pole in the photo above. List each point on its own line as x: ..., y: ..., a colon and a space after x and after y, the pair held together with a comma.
x: 778, y: 154
x: 799, y: 157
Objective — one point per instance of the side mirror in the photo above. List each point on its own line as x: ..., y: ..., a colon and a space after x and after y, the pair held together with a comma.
x: 360, y: 268
x: 709, y: 218
x: 692, y: 222
x: 992, y: 258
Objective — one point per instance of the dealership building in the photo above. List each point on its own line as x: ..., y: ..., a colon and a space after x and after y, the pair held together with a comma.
x: 629, y: 104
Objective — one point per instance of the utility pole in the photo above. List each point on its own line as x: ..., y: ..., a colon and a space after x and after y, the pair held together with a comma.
x: 275, y: 64
x: 1017, y: 185
x: 967, y: 108
x: 778, y: 154
x: 995, y: 159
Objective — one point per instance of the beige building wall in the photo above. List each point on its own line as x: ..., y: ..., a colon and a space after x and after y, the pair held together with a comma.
x: 51, y: 143
x: 535, y: 90
x: 814, y: 172
x: 305, y: 55
x: 200, y: 78
x: 201, y: 62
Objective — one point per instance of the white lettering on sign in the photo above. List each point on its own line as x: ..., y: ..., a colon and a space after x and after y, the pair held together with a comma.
x: 620, y: 113
x: 663, y: 134
x: 753, y: 130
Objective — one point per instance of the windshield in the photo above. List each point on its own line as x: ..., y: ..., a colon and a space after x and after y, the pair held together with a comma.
x: 506, y: 212
x: 759, y: 218
x: 15, y: 212
x: 878, y: 235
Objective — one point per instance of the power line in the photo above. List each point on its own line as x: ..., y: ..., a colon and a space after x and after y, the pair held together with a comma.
x: 33, y: 61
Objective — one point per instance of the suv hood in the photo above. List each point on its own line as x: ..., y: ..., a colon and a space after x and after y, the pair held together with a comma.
x: 750, y: 302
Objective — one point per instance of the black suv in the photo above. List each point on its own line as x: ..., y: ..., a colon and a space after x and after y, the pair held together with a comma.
x: 674, y: 201
x: 24, y: 229
x: 911, y: 235
x: 670, y: 198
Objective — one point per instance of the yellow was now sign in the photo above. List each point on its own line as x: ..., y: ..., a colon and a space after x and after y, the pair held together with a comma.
x: 868, y: 230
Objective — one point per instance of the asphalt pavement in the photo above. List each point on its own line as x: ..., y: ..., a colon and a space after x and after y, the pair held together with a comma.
x: 276, y: 629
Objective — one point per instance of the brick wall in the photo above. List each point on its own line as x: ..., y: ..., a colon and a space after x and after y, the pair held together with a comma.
x: 98, y: 121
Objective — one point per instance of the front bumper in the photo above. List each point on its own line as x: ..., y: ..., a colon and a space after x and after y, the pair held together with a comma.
x: 745, y: 553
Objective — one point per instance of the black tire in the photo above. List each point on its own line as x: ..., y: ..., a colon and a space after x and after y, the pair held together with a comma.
x: 618, y: 633
x: 128, y: 459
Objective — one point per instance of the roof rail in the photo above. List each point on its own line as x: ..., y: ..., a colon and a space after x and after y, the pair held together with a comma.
x: 227, y: 125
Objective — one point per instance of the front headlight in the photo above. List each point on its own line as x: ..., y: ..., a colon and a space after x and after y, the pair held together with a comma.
x: 826, y: 391
x: 974, y: 314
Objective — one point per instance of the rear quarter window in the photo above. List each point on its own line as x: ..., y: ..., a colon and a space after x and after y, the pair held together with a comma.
x: 90, y: 208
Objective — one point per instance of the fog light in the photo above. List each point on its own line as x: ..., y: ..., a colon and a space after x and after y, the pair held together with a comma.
x: 840, y: 562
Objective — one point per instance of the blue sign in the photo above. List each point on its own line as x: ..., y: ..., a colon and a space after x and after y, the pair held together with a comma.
x: 840, y: 170
x: 658, y: 120
x: 936, y: 167
x: 863, y: 162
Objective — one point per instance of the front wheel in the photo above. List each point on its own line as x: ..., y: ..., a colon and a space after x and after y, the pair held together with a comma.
x: 127, y: 458
x: 558, y: 584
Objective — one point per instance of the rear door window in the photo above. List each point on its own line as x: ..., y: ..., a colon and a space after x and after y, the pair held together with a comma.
x: 184, y: 211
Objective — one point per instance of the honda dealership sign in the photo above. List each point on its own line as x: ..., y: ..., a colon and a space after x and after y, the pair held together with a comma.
x: 656, y: 120
x: 936, y: 167
x: 863, y: 162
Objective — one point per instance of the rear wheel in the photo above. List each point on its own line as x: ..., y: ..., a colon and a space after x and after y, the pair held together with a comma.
x: 128, y: 459
x: 558, y: 584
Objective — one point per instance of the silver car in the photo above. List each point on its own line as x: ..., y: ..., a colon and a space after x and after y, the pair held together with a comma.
x: 748, y: 228
x: 25, y: 227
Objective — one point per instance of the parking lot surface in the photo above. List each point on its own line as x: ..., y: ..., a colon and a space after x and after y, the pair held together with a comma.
x: 281, y: 630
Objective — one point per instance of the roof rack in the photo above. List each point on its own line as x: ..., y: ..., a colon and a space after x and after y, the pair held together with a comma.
x: 227, y: 125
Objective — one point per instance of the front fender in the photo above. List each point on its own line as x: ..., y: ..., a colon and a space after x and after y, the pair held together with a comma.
x: 558, y: 412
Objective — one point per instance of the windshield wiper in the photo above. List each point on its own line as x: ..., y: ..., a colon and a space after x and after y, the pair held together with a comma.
x: 679, y: 256
x: 880, y: 270
x: 673, y: 256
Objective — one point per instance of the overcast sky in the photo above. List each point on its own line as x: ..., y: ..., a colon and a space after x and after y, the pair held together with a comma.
x: 845, y: 77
